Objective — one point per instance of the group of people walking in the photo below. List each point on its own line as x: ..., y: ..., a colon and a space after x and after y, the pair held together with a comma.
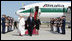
x: 29, y: 26
x: 58, y: 24
x: 8, y: 24
x: 25, y: 27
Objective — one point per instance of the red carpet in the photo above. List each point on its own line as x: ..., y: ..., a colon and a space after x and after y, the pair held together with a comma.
x: 34, y: 31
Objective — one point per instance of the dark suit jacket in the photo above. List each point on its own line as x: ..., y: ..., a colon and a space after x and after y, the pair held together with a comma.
x: 15, y: 23
x: 63, y: 22
x: 37, y: 22
x: 3, y: 21
x: 26, y: 25
x: 30, y: 23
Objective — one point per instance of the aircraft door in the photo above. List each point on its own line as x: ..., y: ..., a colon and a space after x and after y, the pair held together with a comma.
x: 36, y: 12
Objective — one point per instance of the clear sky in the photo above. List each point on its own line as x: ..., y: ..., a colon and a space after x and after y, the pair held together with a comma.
x: 10, y: 7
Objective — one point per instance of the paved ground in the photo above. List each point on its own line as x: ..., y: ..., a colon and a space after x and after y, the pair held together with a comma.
x: 44, y: 34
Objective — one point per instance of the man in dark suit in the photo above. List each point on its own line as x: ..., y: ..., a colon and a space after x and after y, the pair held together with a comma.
x: 51, y: 23
x: 37, y: 23
x: 15, y: 25
x: 26, y: 25
x: 30, y: 24
x: 3, y: 24
x: 63, y: 24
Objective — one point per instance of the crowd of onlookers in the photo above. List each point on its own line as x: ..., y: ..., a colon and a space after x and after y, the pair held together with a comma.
x: 8, y: 24
x: 58, y: 24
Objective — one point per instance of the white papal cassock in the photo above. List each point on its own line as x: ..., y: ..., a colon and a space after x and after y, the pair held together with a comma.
x: 21, y: 27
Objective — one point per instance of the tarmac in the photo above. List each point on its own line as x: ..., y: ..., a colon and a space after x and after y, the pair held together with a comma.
x: 44, y: 34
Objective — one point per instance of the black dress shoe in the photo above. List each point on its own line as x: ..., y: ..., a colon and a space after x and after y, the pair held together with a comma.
x: 30, y: 35
x: 62, y: 33
x: 8, y: 31
x: 3, y: 33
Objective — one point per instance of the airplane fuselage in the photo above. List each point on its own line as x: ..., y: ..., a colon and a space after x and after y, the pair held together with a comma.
x: 47, y: 9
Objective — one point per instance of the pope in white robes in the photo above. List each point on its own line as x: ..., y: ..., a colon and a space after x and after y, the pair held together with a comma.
x: 21, y: 27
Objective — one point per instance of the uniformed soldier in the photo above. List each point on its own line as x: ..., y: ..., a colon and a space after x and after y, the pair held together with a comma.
x: 12, y: 28
x: 55, y: 25
x: 63, y: 24
x: 58, y: 25
x: 6, y: 24
x: 3, y: 23
x: 51, y: 24
x: 9, y: 24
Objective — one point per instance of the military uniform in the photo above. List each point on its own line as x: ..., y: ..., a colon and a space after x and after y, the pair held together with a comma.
x: 58, y: 26
x: 9, y: 26
x: 54, y: 27
x: 6, y: 23
x: 51, y: 24
x: 3, y: 25
x: 63, y: 26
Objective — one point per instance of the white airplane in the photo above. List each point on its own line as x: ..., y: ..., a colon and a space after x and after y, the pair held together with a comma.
x: 46, y: 9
